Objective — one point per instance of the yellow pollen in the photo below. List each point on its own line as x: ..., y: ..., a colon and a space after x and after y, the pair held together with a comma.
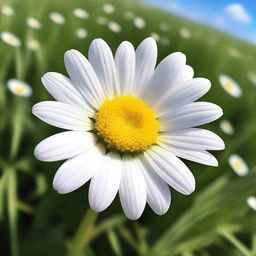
x: 127, y: 124
x: 238, y: 165
x: 19, y: 90
x: 228, y: 85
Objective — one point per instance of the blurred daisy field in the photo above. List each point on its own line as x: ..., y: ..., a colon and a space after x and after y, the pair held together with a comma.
x: 218, y: 218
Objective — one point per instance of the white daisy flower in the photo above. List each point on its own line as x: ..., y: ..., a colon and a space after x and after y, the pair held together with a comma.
x: 227, y: 127
x: 165, y: 41
x: 108, y: 8
x: 164, y: 26
x: 129, y: 15
x: 238, y: 165
x: 128, y: 123
x: 233, y: 52
x: 114, y: 26
x: 57, y: 18
x: 102, y: 20
x: 7, y: 10
x: 81, y: 33
x: 81, y: 13
x: 185, y: 33
x: 11, y: 39
x: 19, y: 88
x: 33, y: 44
x: 34, y: 23
x: 252, y: 77
x: 251, y: 201
x: 139, y: 22
x: 155, y: 36
x: 230, y: 86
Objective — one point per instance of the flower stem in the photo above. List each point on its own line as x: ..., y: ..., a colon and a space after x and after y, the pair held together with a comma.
x: 83, y: 234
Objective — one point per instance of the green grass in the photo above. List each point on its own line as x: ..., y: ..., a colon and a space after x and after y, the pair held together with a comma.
x: 35, y: 220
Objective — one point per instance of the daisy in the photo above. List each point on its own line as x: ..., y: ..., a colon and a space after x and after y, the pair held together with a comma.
x: 108, y: 8
x: 115, y: 27
x: 233, y: 52
x: 129, y: 15
x: 80, y: 13
x: 185, y: 33
x: 33, y: 44
x: 163, y: 26
x: 139, y: 22
x: 7, y: 10
x: 57, y: 18
x: 81, y: 33
x: 102, y: 20
x: 238, y: 165
x: 230, y: 86
x: 155, y: 36
x: 19, y: 88
x: 10, y: 38
x: 128, y: 122
x: 227, y: 127
x: 251, y: 201
x: 34, y: 23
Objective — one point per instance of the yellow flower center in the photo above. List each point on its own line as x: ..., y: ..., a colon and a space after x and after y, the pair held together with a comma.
x: 127, y: 124
x: 238, y: 165
x: 228, y: 85
x: 19, y: 90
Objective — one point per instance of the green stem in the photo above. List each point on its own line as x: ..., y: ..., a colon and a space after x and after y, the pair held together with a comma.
x: 234, y: 241
x: 254, y: 243
x: 12, y: 210
x: 83, y: 234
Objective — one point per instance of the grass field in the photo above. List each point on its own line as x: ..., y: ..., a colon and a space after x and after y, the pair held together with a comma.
x: 35, y: 220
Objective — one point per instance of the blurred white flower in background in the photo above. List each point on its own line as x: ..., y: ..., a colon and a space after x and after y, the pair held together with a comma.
x: 251, y: 201
x: 114, y: 27
x: 102, y: 20
x: 230, y: 86
x: 129, y: 15
x: 165, y: 41
x: 108, y: 8
x: 57, y: 18
x: 233, y: 52
x: 155, y: 36
x: 19, y: 88
x: 164, y: 26
x: 252, y: 77
x: 81, y: 33
x: 81, y: 13
x: 7, y: 10
x: 238, y: 165
x: 139, y: 22
x: 227, y: 127
x: 11, y: 39
x: 34, y: 23
x: 185, y: 33
x: 33, y: 44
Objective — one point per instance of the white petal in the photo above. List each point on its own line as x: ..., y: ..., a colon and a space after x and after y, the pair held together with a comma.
x: 170, y: 169
x: 84, y: 77
x: 166, y: 75
x: 188, y: 73
x: 125, y: 66
x: 196, y: 155
x: 146, y: 56
x: 102, y: 61
x: 105, y: 182
x: 190, y: 115
x: 62, y: 89
x: 62, y: 115
x: 132, y: 189
x: 158, y: 193
x: 77, y: 171
x: 64, y: 145
x: 195, y: 138
x: 182, y: 94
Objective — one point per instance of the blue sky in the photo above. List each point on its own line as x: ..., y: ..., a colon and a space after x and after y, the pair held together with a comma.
x: 235, y: 17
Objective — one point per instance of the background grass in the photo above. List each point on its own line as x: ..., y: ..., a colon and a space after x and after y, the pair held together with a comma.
x: 35, y: 220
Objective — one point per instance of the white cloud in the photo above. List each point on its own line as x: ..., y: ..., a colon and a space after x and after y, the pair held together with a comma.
x: 237, y: 12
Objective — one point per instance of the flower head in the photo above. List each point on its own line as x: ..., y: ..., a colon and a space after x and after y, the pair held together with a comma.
x: 251, y: 201
x: 114, y: 26
x: 10, y: 38
x: 7, y: 10
x: 139, y: 22
x: 33, y: 44
x: 227, y: 127
x: 19, y: 88
x: 81, y: 33
x: 129, y: 123
x: 230, y: 86
x: 57, y: 18
x: 34, y: 23
x: 238, y: 165
x: 108, y: 8
x: 185, y: 33
x: 81, y: 13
